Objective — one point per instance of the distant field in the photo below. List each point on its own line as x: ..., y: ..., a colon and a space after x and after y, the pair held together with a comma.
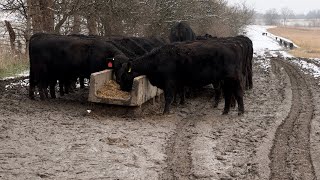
x: 307, y: 39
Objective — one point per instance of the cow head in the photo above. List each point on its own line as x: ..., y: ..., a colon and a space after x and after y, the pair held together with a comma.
x: 119, y: 60
x: 126, y: 76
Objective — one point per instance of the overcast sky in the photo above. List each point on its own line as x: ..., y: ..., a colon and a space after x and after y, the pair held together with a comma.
x: 298, y: 6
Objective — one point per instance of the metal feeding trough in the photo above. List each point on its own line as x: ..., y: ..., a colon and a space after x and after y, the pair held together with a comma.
x: 142, y: 90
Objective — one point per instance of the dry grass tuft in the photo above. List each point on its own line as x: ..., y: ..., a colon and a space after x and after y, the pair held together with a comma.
x: 11, y: 64
x: 308, y: 39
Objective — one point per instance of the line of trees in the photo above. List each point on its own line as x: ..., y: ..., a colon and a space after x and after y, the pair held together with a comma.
x: 275, y: 17
x: 124, y: 17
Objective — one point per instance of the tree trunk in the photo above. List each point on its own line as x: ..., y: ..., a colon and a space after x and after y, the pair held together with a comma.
x: 76, y: 29
x: 12, y: 35
x: 27, y: 33
x: 46, y: 8
x: 35, y: 15
x: 60, y: 23
x: 92, y: 25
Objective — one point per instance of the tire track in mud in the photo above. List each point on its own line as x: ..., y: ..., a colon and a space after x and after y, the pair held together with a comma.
x: 179, y: 161
x: 310, y: 61
x: 290, y: 155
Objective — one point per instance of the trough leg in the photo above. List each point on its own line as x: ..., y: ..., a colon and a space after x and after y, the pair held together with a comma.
x: 137, y: 111
x: 158, y: 98
x: 153, y: 100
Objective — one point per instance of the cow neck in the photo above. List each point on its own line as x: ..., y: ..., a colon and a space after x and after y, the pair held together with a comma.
x: 142, y: 65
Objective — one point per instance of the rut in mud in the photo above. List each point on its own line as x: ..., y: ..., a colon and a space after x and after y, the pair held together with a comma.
x: 178, y: 150
x: 290, y: 154
x: 179, y: 161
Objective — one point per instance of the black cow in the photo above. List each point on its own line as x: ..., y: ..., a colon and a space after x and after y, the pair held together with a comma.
x: 291, y: 45
x: 181, y: 31
x: 146, y: 43
x: 285, y: 43
x: 64, y: 58
x: 191, y: 64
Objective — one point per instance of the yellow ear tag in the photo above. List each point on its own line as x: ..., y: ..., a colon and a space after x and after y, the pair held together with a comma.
x: 129, y: 70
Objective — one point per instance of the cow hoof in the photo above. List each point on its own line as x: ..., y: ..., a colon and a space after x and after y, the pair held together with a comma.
x: 167, y: 113
x: 225, y: 112
x: 240, y: 113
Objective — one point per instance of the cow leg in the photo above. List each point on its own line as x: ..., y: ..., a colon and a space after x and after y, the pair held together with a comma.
x: 72, y: 86
x: 188, y: 92
x: 52, y: 89
x: 31, y: 88
x: 61, y: 91
x: 250, y: 76
x: 42, y: 88
x: 233, y: 101
x: 175, y: 97
x: 168, y: 95
x: 238, y: 93
x: 31, y: 91
x: 182, y: 96
x: 227, y: 91
x: 217, y: 94
x: 66, y: 87
x: 45, y: 90
x: 81, y: 79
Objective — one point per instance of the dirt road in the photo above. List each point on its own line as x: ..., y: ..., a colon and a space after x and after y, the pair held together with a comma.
x: 278, y: 137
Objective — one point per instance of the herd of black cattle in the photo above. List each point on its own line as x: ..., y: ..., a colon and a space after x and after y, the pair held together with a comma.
x: 187, y: 62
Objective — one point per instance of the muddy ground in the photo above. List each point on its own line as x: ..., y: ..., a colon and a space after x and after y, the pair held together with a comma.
x: 278, y: 137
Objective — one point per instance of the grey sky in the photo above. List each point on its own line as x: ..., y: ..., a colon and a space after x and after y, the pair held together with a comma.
x: 298, y: 6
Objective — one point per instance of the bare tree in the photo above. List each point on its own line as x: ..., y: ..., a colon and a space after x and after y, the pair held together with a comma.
x: 125, y: 17
x: 47, y: 15
x: 271, y: 17
x: 76, y: 28
x: 285, y: 14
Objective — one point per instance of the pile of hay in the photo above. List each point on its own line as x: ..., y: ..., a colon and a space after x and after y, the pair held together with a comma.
x: 111, y: 90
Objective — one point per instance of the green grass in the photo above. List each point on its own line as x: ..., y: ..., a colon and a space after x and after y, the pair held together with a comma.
x: 12, y: 65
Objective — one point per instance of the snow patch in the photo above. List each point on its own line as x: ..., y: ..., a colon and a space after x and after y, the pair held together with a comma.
x: 308, y: 68
x: 22, y: 83
x: 23, y: 74
x: 266, y: 47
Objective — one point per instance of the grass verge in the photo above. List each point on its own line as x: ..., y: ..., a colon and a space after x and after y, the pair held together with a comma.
x: 12, y: 65
x: 308, y: 39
